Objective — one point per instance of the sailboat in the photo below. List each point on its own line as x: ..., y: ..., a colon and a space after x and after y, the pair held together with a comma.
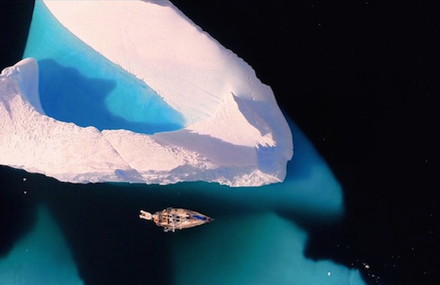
x: 176, y: 218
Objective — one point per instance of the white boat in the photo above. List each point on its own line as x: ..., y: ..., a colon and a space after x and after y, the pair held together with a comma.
x: 176, y: 218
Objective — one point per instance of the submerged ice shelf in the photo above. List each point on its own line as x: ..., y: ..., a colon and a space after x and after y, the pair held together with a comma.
x: 41, y: 257
x: 158, y: 101
x: 263, y: 249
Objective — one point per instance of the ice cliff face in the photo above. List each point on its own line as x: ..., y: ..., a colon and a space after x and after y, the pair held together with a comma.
x: 146, y: 59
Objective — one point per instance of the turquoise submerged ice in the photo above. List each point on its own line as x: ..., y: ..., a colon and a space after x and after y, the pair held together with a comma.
x: 41, y: 257
x: 266, y: 249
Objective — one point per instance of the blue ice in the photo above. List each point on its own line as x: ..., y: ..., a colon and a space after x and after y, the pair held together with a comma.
x: 79, y: 85
x: 41, y: 257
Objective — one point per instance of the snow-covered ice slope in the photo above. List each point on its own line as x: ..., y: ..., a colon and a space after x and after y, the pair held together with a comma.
x: 126, y: 64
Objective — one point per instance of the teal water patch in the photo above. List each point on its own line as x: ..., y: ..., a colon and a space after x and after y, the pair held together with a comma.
x: 79, y: 85
x: 41, y: 257
x: 254, y: 249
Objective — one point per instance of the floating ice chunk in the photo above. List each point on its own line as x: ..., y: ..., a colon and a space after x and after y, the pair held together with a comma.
x: 41, y: 257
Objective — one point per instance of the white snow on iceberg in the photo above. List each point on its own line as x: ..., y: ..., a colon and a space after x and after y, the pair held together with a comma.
x: 146, y: 96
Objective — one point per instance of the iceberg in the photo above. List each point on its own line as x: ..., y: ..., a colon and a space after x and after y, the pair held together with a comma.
x: 134, y: 91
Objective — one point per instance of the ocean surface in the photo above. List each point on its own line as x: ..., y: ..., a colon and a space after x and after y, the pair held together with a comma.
x: 359, y: 79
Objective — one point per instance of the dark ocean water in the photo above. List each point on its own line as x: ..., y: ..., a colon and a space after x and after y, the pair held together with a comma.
x: 360, y: 79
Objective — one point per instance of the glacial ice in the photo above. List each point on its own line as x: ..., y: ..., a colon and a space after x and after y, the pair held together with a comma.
x: 41, y: 257
x: 146, y: 96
